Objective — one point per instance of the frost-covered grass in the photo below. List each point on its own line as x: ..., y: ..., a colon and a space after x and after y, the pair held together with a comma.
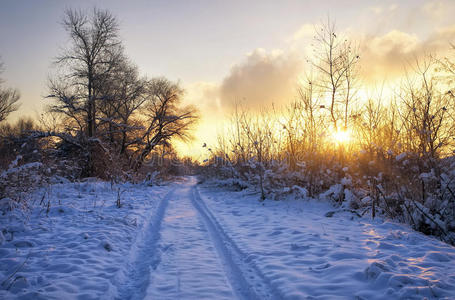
x: 72, y: 241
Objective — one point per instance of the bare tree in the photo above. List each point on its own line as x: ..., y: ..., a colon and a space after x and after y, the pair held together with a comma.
x: 302, y: 124
x: 258, y: 131
x: 124, y: 94
x: 100, y: 94
x: 8, y: 99
x: 94, y: 52
x: 446, y: 68
x: 165, y: 119
x: 426, y: 113
x: 448, y: 65
x: 336, y: 62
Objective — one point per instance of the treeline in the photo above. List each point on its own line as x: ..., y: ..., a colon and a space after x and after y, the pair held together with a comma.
x: 386, y: 154
x: 103, y: 118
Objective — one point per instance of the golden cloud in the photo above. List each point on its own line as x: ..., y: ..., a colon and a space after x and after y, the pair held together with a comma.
x: 266, y: 77
x: 262, y: 79
x: 204, y: 95
x: 385, y: 57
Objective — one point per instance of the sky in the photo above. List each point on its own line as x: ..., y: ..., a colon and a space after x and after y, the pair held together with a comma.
x: 224, y: 52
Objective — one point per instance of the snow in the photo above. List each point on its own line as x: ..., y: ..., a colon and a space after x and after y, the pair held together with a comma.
x: 305, y: 254
x: 189, y: 241
x: 401, y: 156
x: 78, y: 247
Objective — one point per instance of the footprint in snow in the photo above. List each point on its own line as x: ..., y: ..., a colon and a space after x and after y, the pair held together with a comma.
x: 295, y: 247
x: 23, y: 244
x: 276, y: 232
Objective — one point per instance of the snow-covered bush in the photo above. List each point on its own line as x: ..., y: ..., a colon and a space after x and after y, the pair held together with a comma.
x: 18, y: 181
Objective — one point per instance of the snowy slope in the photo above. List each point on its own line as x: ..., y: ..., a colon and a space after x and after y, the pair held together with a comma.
x: 186, y: 241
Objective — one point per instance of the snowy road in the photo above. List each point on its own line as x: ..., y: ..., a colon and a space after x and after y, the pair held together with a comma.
x: 185, y: 254
x: 186, y: 264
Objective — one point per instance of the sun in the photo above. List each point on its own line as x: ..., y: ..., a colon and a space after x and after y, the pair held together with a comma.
x: 342, y: 136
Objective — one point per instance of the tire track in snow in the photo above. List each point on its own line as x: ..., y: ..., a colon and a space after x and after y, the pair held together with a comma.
x: 246, y: 279
x: 143, y: 257
x: 190, y: 267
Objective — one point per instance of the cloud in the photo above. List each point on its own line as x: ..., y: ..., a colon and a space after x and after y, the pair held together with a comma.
x: 386, y: 56
x: 441, y: 39
x: 438, y: 10
x: 266, y: 77
x: 382, y: 9
x: 261, y: 79
x: 304, y: 32
x: 204, y: 95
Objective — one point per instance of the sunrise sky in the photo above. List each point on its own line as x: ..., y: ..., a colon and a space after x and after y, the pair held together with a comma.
x: 224, y: 52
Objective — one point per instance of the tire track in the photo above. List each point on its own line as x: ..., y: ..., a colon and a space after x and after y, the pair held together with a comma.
x: 190, y: 267
x: 246, y: 279
x: 143, y: 256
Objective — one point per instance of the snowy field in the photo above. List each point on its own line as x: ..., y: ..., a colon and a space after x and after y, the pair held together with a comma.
x: 189, y: 241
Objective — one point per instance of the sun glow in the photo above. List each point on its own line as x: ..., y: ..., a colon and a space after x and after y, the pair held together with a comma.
x: 342, y: 136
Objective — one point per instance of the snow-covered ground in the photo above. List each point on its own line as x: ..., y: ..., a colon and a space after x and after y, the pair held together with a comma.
x: 80, y: 248
x: 303, y: 254
x: 189, y: 241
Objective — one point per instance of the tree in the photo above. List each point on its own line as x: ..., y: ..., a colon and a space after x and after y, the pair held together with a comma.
x: 124, y: 94
x: 95, y: 51
x: 447, y: 65
x: 165, y: 118
x: 446, y: 70
x: 114, y: 115
x: 8, y: 100
x: 426, y: 113
x: 336, y: 62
